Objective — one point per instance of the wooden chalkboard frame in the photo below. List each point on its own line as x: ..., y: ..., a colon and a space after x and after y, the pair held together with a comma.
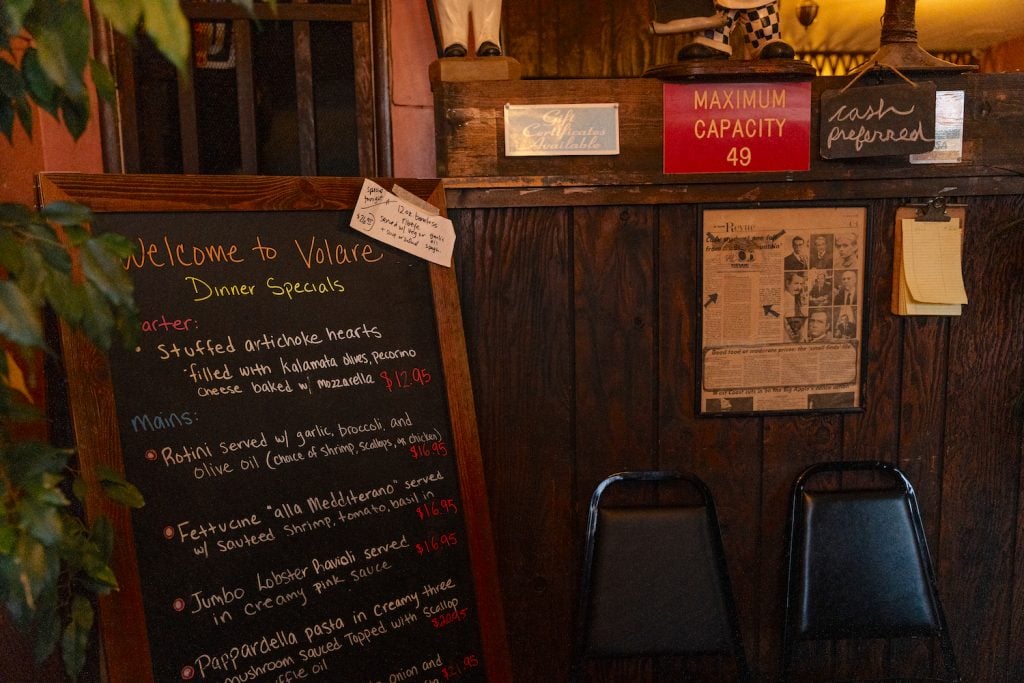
x: 90, y: 391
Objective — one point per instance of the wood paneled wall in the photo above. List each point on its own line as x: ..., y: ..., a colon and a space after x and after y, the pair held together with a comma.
x: 611, y: 38
x: 581, y: 325
x: 584, y: 38
x: 582, y: 336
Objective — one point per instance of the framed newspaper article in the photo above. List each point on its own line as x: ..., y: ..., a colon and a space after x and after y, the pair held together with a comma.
x: 781, y: 309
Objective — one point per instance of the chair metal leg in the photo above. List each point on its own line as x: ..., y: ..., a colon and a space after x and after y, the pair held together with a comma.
x: 949, y: 657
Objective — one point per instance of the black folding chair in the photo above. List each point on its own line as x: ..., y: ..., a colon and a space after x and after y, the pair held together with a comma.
x: 859, y: 566
x: 654, y: 578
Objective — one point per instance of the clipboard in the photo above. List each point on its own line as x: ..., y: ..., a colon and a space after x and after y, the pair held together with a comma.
x: 945, y: 217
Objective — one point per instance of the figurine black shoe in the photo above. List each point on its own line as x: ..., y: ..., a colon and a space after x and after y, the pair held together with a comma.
x: 700, y: 51
x: 454, y: 50
x: 488, y: 49
x: 777, y: 50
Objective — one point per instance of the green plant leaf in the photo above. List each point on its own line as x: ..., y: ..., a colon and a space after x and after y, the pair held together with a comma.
x: 82, y: 612
x: 19, y: 319
x: 61, y: 33
x: 50, y: 494
x: 14, y: 405
x: 68, y: 300
x: 7, y: 119
x: 119, y: 490
x: 76, y: 234
x: 98, y: 325
x: 44, y: 91
x: 75, y: 114
x: 103, y: 537
x: 66, y: 213
x: 124, y: 493
x: 47, y: 625
x: 104, y: 271
x: 13, y: 101
x: 75, y: 641
x: 101, y: 576
x: 27, y: 461
x: 15, y: 597
x: 75, y: 536
x: 103, y: 80
x: 91, y: 560
x: 14, y: 13
x: 12, y: 256
x: 118, y: 245
x: 165, y: 24
x: 24, y: 112
x: 11, y: 85
x: 44, y: 241
x: 8, y: 535
x: 123, y: 15
x: 78, y: 489
x: 16, y: 214
x: 128, y: 328
x: 31, y: 277
x: 41, y: 521
x: 37, y: 567
x: 22, y: 412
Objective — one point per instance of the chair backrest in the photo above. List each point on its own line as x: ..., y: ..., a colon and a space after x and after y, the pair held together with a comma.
x: 654, y: 578
x: 859, y: 565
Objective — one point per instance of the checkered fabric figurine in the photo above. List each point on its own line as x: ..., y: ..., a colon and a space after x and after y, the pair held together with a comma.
x: 759, y: 21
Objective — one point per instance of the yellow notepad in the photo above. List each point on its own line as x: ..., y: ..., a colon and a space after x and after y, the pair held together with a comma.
x: 927, y: 277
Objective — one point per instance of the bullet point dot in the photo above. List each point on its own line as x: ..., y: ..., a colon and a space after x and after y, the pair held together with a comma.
x: 150, y: 454
x: 187, y: 673
x: 178, y: 604
x: 168, y: 532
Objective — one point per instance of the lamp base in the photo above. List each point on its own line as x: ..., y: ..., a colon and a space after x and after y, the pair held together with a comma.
x: 904, y: 57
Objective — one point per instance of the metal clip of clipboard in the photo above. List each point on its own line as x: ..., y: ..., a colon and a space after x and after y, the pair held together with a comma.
x: 933, y: 212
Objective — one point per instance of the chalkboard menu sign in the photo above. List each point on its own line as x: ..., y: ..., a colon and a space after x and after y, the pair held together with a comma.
x: 298, y: 416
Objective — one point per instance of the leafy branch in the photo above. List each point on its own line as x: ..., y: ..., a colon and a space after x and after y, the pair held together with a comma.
x: 52, y: 565
x: 45, y: 54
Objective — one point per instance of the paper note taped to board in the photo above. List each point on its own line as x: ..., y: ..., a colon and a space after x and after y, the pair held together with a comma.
x: 389, y: 219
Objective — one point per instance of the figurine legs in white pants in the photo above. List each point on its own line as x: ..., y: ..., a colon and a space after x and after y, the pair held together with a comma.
x: 453, y: 21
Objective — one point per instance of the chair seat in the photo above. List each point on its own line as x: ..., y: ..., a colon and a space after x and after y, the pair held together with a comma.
x: 655, y: 590
x: 871, y: 583
x: 859, y: 566
x: 654, y: 580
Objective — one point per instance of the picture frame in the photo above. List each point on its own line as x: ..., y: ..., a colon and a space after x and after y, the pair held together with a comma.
x: 781, y: 313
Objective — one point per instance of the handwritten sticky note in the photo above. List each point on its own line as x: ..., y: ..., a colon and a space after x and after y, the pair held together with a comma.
x: 931, y: 261
x: 386, y: 217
